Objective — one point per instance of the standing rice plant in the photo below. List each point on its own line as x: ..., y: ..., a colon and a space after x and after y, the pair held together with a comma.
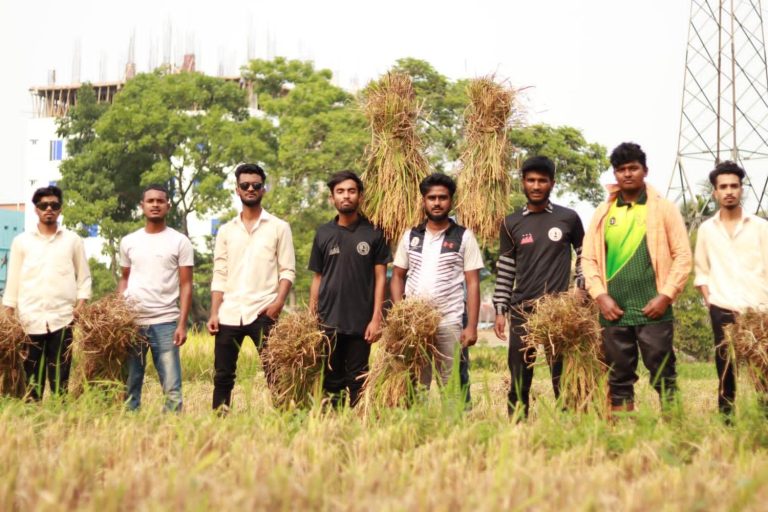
x: 747, y: 343
x: 484, y: 182
x: 296, y: 350
x: 13, y: 381
x: 406, y: 347
x: 106, y: 330
x: 395, y: 160
x: 569, y: 329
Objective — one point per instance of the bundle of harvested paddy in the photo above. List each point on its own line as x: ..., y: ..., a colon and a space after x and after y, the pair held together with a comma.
x: 569, y: 329
x: 747, y: 342
x: 406, y: 347
x: 12, y: 340
x: 395, y: 162
x: 485, y: 183
x: 106, y: 329
x: 295, y: 353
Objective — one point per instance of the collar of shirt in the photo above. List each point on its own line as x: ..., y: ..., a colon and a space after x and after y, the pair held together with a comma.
x: 265, y: 216
x: 352, y: 227
x: 641, y: 199
x: 745, y: 217
x: 36, y: 232
x: 547, y: 209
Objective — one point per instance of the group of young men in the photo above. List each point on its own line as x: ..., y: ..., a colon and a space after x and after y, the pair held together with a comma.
x: 634, y: 260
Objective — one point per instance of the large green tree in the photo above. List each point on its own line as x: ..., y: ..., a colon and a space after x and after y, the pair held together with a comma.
x: 319, y: 130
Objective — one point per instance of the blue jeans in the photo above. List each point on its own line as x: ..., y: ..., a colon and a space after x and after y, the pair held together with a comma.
x: 165, y: 356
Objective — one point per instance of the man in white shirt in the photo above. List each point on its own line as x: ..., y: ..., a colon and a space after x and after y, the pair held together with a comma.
x: 435, y: 260
x: 156, y: 264
x: 253, y: 269
x: 731, y: 263
x: 48, y: 282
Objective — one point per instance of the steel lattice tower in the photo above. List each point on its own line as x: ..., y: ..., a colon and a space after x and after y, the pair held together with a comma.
x: 724, y: 114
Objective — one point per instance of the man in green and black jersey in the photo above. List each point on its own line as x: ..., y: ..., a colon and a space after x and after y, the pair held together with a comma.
x: 534, y: 259
x: 349, y: 258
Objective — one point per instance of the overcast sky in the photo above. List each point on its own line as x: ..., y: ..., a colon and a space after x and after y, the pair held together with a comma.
x: 612, y: 68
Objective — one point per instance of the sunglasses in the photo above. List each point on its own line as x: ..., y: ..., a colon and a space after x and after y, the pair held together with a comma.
x: 44, y: 205
x: 255, y: 186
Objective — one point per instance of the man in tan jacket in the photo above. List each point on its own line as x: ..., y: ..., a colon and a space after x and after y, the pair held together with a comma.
x: 636, y: 259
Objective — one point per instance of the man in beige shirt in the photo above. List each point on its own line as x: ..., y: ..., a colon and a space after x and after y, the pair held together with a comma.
x: 48, y: 282
x: 253, y: 269
x: 731, y: 264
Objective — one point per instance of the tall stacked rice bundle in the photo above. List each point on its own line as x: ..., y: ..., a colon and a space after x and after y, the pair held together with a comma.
x: 295, y: 354
x: 747, y: 342
x: 406, y: 346
x: 106, y: 329
x: 395, y: 162
x: 484, y: 183
x: 13, y: 381
x: 569, y: 329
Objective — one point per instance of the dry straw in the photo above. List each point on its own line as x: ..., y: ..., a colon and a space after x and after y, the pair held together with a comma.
x: 568, y: 328
x: 747, y: 342
x: 106, y: 329
x: 484, y: 180
x: 395, y: 161
x: 295, y: 353
x: 12, y: 340
x: 406, y: 347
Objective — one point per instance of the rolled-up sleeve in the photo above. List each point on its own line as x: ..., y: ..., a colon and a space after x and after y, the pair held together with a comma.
x: 286, y: 257
x: 16, y: 259
x: 701, y: 259
x: 82, y: 271
x: 220, y: 270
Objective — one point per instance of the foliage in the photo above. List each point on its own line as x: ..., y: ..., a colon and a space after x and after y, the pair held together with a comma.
x: 188, y: 131
x: 319, y: 130
x: 693, y: 333
x: 103, y: 280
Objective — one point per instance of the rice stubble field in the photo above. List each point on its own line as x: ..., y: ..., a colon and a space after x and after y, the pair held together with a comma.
x: 90, y: 454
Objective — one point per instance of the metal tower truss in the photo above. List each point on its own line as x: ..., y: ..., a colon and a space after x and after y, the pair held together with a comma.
x: 724, y: 114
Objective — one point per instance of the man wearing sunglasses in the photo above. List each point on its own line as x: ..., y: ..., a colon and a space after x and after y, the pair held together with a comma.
x: 253, y: 269
x: 156, y: 263
x: 48, y: 282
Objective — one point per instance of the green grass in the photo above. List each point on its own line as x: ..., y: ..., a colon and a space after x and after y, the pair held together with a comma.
x: 90, y: 454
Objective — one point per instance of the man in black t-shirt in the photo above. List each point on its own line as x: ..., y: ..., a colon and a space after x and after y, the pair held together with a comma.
x: 534, y: 259
x: 349, y: 258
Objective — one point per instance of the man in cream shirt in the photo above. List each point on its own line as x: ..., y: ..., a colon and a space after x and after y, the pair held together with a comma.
x: 48, y: 281
x: 731, y: 263
x: 253, y: 270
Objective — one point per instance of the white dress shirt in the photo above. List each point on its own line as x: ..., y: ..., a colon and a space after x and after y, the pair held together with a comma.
x: 47, y: 275
x: 247, y: 267
x: 734, y: 267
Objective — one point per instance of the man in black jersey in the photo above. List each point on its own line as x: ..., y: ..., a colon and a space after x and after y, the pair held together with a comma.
x: 534, y: 259
x: 349, y: 258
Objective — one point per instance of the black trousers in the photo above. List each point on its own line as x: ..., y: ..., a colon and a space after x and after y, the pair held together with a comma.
x: 726, y: 376
x: 228, y: 341
x: 654, y: 341
x: 347, y: 363
x: 48, y: 354
x: 520, y: 369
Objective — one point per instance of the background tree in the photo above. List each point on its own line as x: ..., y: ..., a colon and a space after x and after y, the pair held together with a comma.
x: 319, y: 130
x: 189, y: 131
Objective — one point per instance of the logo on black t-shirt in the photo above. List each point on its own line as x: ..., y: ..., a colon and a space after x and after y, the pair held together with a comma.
x: 527, y: 239
x: 363, y: 248
x: 334, y: 250
x: 555, y: 234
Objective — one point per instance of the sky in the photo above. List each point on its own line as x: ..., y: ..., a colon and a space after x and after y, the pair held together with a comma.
x: 612, y: 68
